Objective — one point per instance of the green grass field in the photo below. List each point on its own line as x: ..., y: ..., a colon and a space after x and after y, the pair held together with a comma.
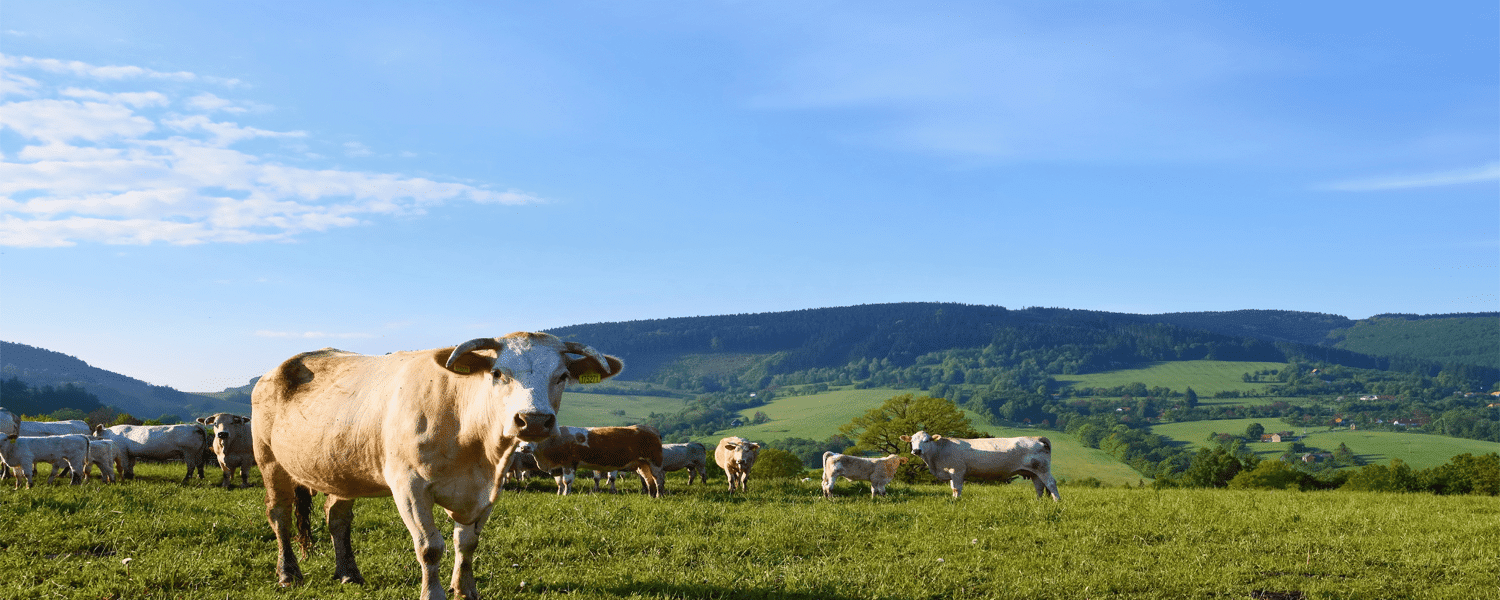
x: 1206, y: 377
x: 1418, y: 450
x: 779, y: 540
x: 598, y: 410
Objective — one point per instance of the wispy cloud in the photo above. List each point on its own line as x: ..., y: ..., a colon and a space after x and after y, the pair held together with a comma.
x: 124, y: 167
x: 1490, y: 172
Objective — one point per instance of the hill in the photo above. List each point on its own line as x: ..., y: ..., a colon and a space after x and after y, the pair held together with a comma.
x: 39, y: 367
x: 1467, y: 339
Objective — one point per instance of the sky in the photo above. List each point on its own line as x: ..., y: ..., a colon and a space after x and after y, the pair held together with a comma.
x: 192, y: 192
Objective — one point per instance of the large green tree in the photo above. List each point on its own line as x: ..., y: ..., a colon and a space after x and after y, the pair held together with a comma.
x: 879, y: 430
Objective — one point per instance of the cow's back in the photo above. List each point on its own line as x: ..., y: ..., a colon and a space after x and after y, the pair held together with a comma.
x: 996, y: 457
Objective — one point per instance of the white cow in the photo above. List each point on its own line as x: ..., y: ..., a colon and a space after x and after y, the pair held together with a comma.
x: 21, y: 454
x: 736, y: 455
x: 953, y: 459
x: 429, y: 427
x: 232, y: 446
x: 108, y: 455
x: 691, y: 456
x: 39, y: 428
x: 159, y: 442
x: 878, y: 471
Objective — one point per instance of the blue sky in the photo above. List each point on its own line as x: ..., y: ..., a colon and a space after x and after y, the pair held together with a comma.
x: 191, y: 192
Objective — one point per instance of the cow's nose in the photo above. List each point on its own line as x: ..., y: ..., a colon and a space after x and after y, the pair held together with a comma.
x: 535, y: 426
x: 223, y: 435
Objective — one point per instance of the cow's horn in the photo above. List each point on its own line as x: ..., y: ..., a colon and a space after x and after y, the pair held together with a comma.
x: 577, y: 348
x: 472, y: 345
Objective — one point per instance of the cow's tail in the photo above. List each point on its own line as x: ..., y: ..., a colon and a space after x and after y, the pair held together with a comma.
x: 1046, y: 444
x: 302, y: 507
x: 827, y: 454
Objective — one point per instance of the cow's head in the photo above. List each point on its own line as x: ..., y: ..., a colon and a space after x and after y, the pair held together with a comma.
x: 225, y: 425
x: 742, y: 452
x: 527, y: 373
x: 921, y: 442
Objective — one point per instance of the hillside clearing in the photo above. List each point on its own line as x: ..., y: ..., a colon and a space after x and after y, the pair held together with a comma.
x: 1417, y: 449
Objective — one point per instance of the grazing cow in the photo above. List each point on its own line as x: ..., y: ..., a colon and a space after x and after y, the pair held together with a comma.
x: 636, y: 447
x: 159, y: 442
x: 953, y: 459
x: 20, y: 454
x: 427, y: 427
x: 691, y: 456
x: 736, y: 455
x: 106, y: 454
x: 877, y: 471
x: 232, y: 446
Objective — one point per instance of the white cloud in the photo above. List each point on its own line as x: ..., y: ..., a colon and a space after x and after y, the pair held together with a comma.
x: 112, y: 167
x: 357, y: 149
x: 1490, y: 172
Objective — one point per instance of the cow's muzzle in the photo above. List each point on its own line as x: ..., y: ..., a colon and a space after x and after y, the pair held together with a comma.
x: 535, y: 427
x: 223, y: 435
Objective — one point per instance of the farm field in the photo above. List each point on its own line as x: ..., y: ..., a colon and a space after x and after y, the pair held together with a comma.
x: 1206, y: 377
x: 779, y: 540
x: 1416, y: 449
x: 597, y: 410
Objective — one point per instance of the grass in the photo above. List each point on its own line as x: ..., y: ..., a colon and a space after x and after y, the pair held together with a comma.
x: 1416, y: 449
x: 780, y: 540
x: 598, y: 410
x: 1206, y: 377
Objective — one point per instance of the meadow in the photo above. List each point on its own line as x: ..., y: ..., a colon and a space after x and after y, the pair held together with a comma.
x: 1419, y: 450
x: 1206, y: 377
x: 155, y: 538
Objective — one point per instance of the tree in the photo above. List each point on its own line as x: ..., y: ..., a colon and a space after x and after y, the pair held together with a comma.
x: 1272, y: 475
x: 775, y: 463
x: 1254, y: 431
x: 879, y: 430
x: 1192, y: 398
x: 1212, y: 468
x: 760, y: 417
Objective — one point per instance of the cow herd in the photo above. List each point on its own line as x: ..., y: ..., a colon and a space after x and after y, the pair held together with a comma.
x: 448, y: 428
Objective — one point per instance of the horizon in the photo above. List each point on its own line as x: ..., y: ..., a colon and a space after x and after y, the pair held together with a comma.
x: 190, y: 194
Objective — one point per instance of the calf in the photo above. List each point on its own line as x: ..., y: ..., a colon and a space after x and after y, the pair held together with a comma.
x: 232, y: 446
x: 691, y: 456
x: 22, y: 453
x: 636, y: 447
x: 877, y: 471
x: 106, y: 454
x: 736, y: 455
x: 953, y: 459
x: 159, y: 442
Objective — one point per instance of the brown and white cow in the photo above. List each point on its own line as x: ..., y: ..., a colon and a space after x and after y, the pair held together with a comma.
x: 636, y: 447
x: 736, y: 455
x: 232, y: 446
x: 159, y: 442
x: 878, y: 471
x: 427, y: 427
x: 21, y: 453
x: 954, y: 459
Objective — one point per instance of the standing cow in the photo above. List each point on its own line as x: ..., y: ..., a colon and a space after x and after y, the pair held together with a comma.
x: 427, y: 427
x: 108, y: 455
x: 736, y: 455
x: 159, y: 442
x: 20, y: 453
x: 878, y: 471
x: 232, y: 446
x: 691, y: 456
x: 636, y: 447
x: 953, y: 459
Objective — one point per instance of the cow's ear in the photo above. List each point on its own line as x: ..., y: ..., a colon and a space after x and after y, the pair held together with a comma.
x: 238, y: 420
x: 936, y: 438
x: 587, y: 369
x: 906, y: 438
x: 754, y: 446
x: 728, y: 446
x: 468, y: 363
x: 205, y: 420
x: 245, y: 419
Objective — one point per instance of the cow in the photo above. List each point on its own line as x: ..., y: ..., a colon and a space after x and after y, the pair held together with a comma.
x: 9, y: 423
x: 426, y: 427
x: 231, y: 446
x: 736, y: 455
x: 953, y: 459
x: 21, y: 453
x: 691, y: 456
x: 877, y: 471
x: 106, y: 454
x: 635, y: 447
x: 159, y: 442
x: 40, y: 428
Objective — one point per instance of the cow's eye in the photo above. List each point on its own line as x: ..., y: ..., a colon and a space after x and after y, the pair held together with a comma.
x: 561, y: 379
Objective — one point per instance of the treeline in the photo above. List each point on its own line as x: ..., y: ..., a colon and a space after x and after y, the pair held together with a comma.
x: 22, y: 399
x: 1221, y: 467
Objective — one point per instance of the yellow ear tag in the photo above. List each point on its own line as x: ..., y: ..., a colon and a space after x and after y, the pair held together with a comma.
x: 589, y: 378
x: 460, y: 369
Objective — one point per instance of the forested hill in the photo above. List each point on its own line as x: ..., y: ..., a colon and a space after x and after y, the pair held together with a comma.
x: 38, y: 367
x: 897, y: 334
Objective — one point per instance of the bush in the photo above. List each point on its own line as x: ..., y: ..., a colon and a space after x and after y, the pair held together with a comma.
x: 1272, y: 475
x: 775, y: 463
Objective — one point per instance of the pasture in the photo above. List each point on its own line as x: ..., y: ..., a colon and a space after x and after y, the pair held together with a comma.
x: 1419, y: 450
x: 818, y: 416
x: 1206, y: 377
x: 604, y: 410
x: 780, y: 540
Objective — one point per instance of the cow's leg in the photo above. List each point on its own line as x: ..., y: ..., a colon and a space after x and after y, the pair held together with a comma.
x: 465, y: 540
x: 244, y: 475
x: 956, y: 481
x: 414, y: 503
x: 340, y: 514
x: 648, y: 477
x: 828, y: 481
x: 280, y: 498
x: 226, y: 482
